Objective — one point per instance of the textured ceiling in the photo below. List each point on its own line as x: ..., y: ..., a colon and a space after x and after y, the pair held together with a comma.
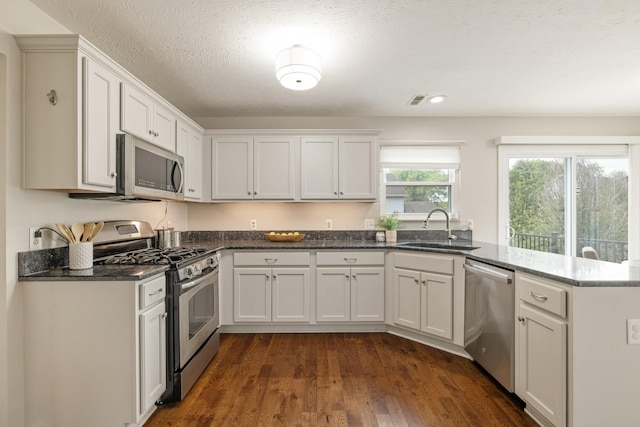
x: 490, y: 57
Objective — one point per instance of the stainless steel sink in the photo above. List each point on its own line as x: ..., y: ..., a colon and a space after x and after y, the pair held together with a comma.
x: 439, y: 245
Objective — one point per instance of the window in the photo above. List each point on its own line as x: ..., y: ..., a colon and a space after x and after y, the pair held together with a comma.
x: 417, y: 179
x: 562, y: 198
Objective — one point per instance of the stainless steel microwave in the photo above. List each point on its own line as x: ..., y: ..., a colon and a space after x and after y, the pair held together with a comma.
x: 145, y: 172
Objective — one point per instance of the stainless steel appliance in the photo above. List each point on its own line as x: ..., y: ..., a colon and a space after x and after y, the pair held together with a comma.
x: 192, y: 301
x: 145, y: 172
x: 489, y: 319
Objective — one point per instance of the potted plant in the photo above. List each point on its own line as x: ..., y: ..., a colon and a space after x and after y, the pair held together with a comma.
x: 390, y: 224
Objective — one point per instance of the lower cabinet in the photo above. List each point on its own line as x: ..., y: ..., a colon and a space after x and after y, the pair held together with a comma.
x: 541, y: 348
x: 271, y: 287
x: 424, y: 292
x: 95, y: 352
x: 350, y: 287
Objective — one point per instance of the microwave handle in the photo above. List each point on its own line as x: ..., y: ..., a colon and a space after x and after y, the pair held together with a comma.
x: 173, y: 172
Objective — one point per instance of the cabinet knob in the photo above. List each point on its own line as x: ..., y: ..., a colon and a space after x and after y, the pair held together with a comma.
x: 114, y: 174
x: 164, y: 315
x: 341, y: 193
x: 249, y: 193
x: 255, y: 192
x: 424, y: 281
x: 346, y: 275
x: 353, y: 276
x: 150, y: 132
x: 156, y: 134
x: 416, y: 280
x: 521, y: 319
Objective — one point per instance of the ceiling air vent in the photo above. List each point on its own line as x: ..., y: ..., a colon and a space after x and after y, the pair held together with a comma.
x: 416, y: 99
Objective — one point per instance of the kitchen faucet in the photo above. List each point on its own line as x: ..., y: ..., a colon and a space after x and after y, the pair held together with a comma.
x: 447, y: 229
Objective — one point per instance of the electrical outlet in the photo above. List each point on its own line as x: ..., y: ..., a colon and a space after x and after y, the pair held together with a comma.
x: 633, y: 331
x: 368, y: 224
x: 254, y: 224
x: 328, y: 224
x: 470, y: 223
x: 35, y: 243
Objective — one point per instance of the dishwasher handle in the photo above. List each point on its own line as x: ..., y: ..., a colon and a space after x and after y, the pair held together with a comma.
x: 489, y: 273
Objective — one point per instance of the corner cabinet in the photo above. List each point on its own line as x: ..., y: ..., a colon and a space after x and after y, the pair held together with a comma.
x: 253, y: 168
x: 189, y: 146
x: 428, y: 294
x: 350, y: 286
x: 111, y: 365
x: 338, y: 167
x: 71, y: 115
x: 271, y: 287
x: 541, y: 348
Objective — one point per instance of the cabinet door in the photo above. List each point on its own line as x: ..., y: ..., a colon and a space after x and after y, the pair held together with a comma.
x: 136, y: 113
x: 189, y: 146
x: 319, y: 168
x: 101, y: 119
x: 164, y: 128
x: 153, y: 356
x: 274, y: 166
x: 333, y: 295
x: 437, y: 305
x: 232, y: 168
x: 357, y: 168
x: 252, y: 295
x: 367, y: 294
x: 406, y: 284
x: 542, y: 365
x: 290, y: 295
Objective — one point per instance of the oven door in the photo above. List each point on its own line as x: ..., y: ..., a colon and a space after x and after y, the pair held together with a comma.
x: 198, y: 313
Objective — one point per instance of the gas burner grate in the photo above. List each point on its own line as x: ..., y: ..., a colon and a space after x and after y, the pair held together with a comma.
x: 152, y: 256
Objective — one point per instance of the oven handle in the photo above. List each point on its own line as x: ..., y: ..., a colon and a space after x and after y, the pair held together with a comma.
x: 186, y: 286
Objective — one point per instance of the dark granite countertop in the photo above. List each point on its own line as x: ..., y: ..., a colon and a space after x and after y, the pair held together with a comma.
x: 570, y: 270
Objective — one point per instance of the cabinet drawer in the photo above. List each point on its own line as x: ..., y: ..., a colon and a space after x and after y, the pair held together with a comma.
x: 536, y: 292
x: 350, y: 258
x: 271, y: 258
x: 152, y: 291
x: 435, y: 263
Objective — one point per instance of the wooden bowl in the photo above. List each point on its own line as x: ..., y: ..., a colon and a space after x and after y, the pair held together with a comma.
x: 284, y: 237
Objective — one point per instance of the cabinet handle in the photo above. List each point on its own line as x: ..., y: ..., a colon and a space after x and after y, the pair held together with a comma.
x: 521, y: 319
x: 156, y: 292
x: 53, y: 97
x: 540, y: 298
x: 270, y: 260
x: 351, y: 260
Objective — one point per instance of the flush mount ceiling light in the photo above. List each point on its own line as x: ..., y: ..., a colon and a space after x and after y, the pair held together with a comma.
x: 298, y: 68
x: 437, y: 99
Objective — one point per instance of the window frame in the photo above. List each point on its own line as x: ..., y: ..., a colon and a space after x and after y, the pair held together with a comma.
x: 572, y: 147
x: 454, y: 195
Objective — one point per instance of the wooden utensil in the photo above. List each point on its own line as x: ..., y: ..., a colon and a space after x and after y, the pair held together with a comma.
x: 66, y: 233
x: 76, y: 229
x: 88, y: 230
x: 96, y: 230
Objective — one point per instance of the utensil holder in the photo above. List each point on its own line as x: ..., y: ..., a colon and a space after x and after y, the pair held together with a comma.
x: 80, y: 255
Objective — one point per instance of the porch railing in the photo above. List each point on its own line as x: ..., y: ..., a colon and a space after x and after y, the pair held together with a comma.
x: 608, y: 250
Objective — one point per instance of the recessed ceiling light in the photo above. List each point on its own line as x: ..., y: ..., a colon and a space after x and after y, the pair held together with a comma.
x: 437, y: 99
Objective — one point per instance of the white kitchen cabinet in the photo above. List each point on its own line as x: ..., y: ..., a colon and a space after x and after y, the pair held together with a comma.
x: 88, y: 365
x: 541, y: 348
x: 253, y: 168
x: 350, y: 286
x: 426, y: 292
x: 338, y: 167
x: 271, y: 287
x: 71, y: 115
x: 145, y: 118
x: 189, y: 146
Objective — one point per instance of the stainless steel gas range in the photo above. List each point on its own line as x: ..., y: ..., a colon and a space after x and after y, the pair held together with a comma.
x: 193, y: 318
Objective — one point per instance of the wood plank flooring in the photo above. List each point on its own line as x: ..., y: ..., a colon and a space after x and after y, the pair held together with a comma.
x: 367, y: 379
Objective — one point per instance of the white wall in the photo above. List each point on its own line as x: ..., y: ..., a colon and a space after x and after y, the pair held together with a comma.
x: 478, y: 176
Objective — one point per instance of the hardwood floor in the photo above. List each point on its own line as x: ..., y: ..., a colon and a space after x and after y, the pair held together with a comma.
x: 371, y: 379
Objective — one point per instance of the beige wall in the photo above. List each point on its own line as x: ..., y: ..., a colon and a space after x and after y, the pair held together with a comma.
x: 478, y: 176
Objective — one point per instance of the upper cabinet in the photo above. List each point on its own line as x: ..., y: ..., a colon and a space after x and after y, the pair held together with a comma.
x: 189, y: 146
x: 146, y: 119
x: 293, y: 164
x: 74, y: 97
x: 338, y: 167
x: 253, y: 168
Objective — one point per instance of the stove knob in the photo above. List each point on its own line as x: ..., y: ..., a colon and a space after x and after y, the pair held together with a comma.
x: 189, y: 271
x: 210, y: 261
x: 197, y: 268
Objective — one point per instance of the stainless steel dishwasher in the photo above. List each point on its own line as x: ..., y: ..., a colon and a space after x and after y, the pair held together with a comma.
x: 488, y: 319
